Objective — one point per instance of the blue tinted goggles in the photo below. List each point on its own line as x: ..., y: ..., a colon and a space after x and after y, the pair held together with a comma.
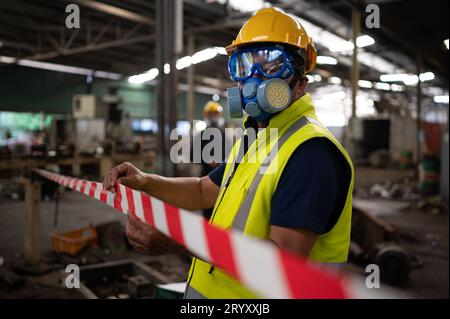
x: 269, y: 62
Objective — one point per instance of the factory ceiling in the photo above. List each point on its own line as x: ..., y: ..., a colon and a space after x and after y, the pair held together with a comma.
x: 119, y: 36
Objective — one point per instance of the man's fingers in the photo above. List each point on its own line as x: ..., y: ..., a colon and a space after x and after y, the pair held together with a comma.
x: 140, y: 248
x: 137, y: 231
x: 134, y: 220
x: 110, y: 180
x: 137, y: 245
x: 112, y: 177
x: 130, y: 181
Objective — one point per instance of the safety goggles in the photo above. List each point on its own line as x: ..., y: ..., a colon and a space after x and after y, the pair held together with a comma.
x: 270, y: 62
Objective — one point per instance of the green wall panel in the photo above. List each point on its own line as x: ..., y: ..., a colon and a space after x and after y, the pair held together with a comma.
x: 24, y: 89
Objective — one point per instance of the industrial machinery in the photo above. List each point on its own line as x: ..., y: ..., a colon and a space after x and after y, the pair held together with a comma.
x: 88, y: 106
x: 375, y: 241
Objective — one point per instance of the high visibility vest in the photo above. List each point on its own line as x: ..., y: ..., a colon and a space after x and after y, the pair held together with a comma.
x: 244, y: 201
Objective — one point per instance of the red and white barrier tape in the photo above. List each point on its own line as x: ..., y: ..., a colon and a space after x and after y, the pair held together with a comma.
x: 256, y: 263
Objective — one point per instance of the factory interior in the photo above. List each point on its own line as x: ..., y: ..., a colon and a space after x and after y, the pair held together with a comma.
x: 86, y: 85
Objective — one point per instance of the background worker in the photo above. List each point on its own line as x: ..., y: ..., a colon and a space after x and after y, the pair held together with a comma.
x: 304, y: 206
x: 214, y: 119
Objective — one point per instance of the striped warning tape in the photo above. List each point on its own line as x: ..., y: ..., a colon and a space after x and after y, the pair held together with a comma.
x: 256, y: 263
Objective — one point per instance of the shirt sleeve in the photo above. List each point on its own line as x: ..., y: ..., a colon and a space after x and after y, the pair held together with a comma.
x: 216, y: 174
x: 309, y: 188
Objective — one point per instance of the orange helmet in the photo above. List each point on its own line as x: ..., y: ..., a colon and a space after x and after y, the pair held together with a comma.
x: 212, y: 107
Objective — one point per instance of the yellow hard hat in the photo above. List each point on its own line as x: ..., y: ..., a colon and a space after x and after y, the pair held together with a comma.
x: 274, y: 25
x: 212, y: 107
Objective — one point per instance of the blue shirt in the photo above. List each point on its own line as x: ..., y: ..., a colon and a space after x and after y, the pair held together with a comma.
x: 312, y: 189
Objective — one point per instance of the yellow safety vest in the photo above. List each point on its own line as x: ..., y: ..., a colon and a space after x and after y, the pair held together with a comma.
x: 244, y: 201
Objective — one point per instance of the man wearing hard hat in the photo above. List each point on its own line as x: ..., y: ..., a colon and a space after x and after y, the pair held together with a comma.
x: 214, y: 134
x: 304, y: 205
x: 213, y: 117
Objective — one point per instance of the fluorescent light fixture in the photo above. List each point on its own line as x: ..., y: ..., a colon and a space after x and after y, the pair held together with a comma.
x: 144, y: 77
x: 184, y: 62
x: 344, y: 45
x: 408, y: 79
x: 136, y: 79
x: 397, y: 88
x: 201, y: 56
x: 247, y: 5
x: 166, y: 68
x: 314, y: 78
x: 61, y: 68
x: 341, y: 45
x: 199, y: 125
x: 336, y: 43
x: 322, y: 59
x: 394, y: 77
x: 364, y: 41
x: 221, y: 50
x: 382, y: 86
x: 335, y: 80
x: 427, y: 76
x: 411, y: 79
x: 204, y: 55
x: 7, y: 59
x: 441, y: 99
x: 365, y: 84
x: 446, y: 43
x: 54, y: 67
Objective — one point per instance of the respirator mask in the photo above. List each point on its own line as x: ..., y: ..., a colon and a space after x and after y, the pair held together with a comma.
x: 261, y: 99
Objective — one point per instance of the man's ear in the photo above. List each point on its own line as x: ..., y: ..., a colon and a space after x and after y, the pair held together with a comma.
x: 302, y: 83
x: 300, y: 87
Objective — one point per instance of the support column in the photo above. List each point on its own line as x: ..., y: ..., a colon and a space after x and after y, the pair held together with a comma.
x: 419, y: 110
x: 350, y: 142
x: 356, y: 21
x: 32, y: 221
x: 191, y: 84
x: 168, y: 48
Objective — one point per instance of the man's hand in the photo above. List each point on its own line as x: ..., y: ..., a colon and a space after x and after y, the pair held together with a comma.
x: 147, y: 239
x: 213, y: 164
x: 125, y: 174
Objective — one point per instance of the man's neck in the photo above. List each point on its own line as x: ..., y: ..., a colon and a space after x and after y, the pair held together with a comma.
x: 262, y: 124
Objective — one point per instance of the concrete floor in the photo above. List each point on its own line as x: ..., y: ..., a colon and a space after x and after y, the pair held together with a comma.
x: 75, y: 211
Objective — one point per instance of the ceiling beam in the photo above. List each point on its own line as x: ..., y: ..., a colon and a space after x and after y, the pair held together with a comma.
x: 234, y: 23
x: 91, y: 47
x: 115, y: 11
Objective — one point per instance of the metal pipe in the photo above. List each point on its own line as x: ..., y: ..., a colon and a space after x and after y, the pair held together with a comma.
x: 159, y: 58
x: 419, y: 109
x: 115, y: 11
x: 356, y: 22
x: 191, y: 83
